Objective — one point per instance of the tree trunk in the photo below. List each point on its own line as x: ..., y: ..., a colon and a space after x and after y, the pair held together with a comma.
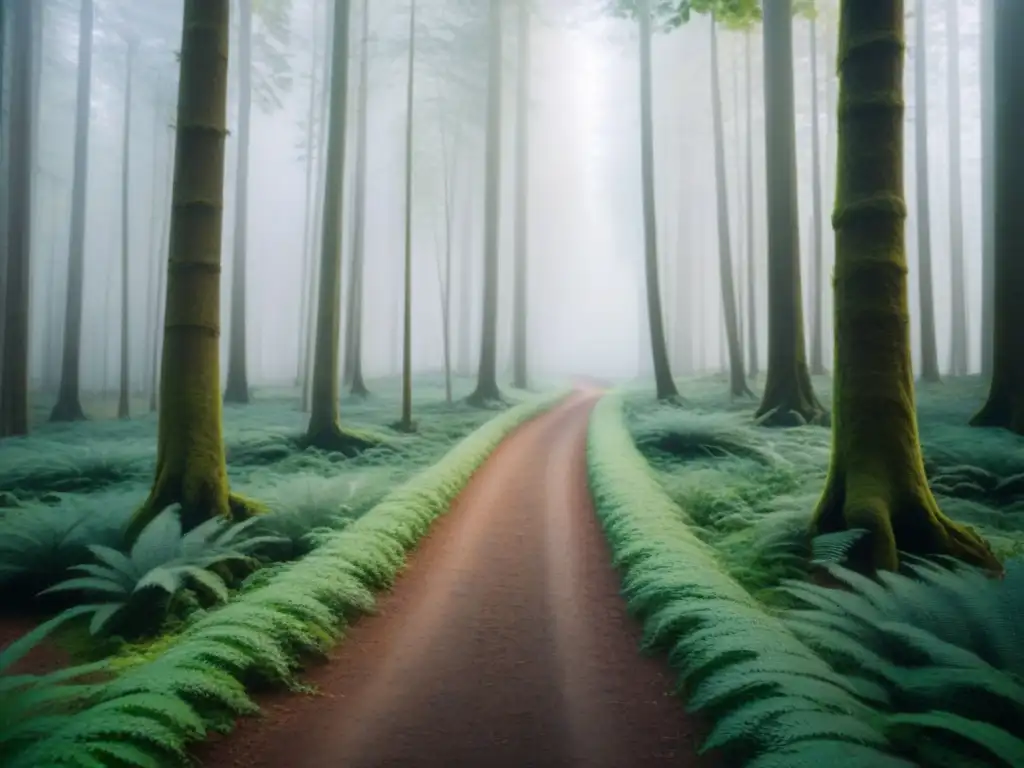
x: 69, y: 406
x: 751, y: 245
x: 817, y: 284
x: 324, y: 430
x: 788, y: 398
x: 162, y: 262
x: 444, y: 269
x: 1005, y: 405
x: 988, y: 171
x: 958, y: 357
x: 309, y: 205
x: 487, y: 374
x: 124, y: 396
x: 466, y: 275
x: 665, y: 386
x: 520, y: 378
x: 734, y: 349
x: 236, y: 389
x: 190, y: 463
x: 405, y: 424
x: 14, y: 382
x: 354, y: 352
x: 929, y: 353
x: 876, y: 479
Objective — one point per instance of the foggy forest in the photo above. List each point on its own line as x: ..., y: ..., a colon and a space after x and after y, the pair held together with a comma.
x: 591, y: 383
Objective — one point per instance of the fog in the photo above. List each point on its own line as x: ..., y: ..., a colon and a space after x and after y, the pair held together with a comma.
x: 586, y: 303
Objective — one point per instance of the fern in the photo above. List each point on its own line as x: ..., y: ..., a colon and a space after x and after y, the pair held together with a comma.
x: 835, y: 547
x: 156, y: 704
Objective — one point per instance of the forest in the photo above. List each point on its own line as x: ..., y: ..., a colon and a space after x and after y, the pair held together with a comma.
x: 511, y: 382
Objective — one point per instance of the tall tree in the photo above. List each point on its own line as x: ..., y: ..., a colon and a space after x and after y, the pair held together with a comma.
x: 21, y: 139
x: 817, y: 259
x: 788, y: 395
x: 929, y: 353
x: 236, y: 389
x: 958, y: 318
x: 405, y: 424
x: 734, y: 349
x: 988, y: 170
x: 191, y: 469
x: 520, y: 378
x: 1005, y: 404
x: 487, y: 374
x: 751, y: 245
x: 876, y: 479
x: 68, y: 406
x: 124, y: 397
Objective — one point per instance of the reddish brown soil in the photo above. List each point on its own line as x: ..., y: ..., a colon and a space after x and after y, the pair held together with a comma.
x: 505, y: 644
x: 46, y: 657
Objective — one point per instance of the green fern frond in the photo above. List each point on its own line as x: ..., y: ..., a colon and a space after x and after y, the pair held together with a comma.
x: 835, y: 547
x: 1007, y: 748
x: 814, y: 754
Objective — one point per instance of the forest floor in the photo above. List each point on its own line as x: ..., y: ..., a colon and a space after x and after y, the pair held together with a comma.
x: 748, y: 491
x: 505, y: 642
x: 67, y: 486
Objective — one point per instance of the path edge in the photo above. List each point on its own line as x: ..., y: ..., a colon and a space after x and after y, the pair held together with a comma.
x: 200, y: 679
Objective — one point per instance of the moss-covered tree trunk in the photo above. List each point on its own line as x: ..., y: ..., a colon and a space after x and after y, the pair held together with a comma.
x: 124, y: 395
x: 988, y: 170
x: 817, y: 260
x: 236, y: 388
x: 69, y: 406
x: 926, y: 297
x: 405, y: 424
x: 354, y: 351
x: 1005, y: 405
x: 21, y: 138
x: 958, y: 340
x: 788, y: 396
x: 190, y: 462
x: 487, y: 372
x: 876, y: 479
x: 665, y: 386
x: 733, y: 347
x: 520, y: 377
x: 752, y: 366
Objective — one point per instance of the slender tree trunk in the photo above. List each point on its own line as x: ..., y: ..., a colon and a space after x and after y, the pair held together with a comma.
x: 929, y: 353
x: 14, y: 383
x: 789, y: 398
x: 959, y: 336
x: 487, y: 375
x: 68, y: 406
x: 817, y: 287
x: 734, y: 350
x: 162, y: 262
x: 406, y: 422
x: 236, y: 389
x: 4, y: 158
x: 124, y: 397
x: 308, y: 204
x: 152, y: 319
x: 751, y: 245
x: 876, y: 478
x: 466, y: 275
x: 190, y: 465
x: 988, y: 170
x: 1005, y: 404
x: 445, y: 269
x: 354, y: 353
x: 665, y: 386
x: 520, y: 378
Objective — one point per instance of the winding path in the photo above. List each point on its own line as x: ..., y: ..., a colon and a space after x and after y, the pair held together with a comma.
x: 505, y: 643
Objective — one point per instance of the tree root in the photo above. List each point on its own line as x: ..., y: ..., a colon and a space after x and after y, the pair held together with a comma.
x: 488, y: 397
x: 67, y: 411
x: 405, y: 427
x: 334, y: 439
x: 999, y: 411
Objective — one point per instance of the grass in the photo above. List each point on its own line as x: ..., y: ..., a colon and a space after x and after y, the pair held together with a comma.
x: 167, y: 695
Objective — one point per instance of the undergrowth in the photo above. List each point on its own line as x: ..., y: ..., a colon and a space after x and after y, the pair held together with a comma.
x: 168, y: 695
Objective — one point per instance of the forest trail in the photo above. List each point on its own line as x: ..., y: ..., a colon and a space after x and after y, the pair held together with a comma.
x: 505, y: 643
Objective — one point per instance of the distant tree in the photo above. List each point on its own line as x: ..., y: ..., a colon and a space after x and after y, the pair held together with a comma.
x: 817, y: 225
x: 1005, y: 404
x: 876, y: 479
x: 405, y: 423
x: 988, y: 170
x: 191, y: 469
x: 958, y: 350
x: 124, y: 396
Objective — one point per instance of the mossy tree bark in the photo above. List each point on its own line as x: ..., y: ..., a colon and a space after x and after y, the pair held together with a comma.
x: 14, y: 376
x: 817, y: 284
x: 929, y: 352
x: 876, y: 479
x: 1005, y: 404
x: 988, y: 170
x: 665, y: 386
x: 734, y: 349
x: 236, y: 388
x: 69, y: 406
x: 751, y: 245
x: 788, y: 397
x: 487, y: 391
x: 520, y: 378
x: 190, y: 463
x: 958, y: 340
x: 124, y: 396
x: 354, y: 333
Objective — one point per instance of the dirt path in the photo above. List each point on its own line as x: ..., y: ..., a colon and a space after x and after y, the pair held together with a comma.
x: 505, y: 644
